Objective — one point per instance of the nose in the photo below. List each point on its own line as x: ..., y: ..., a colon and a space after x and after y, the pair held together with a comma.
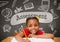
x: 33, y: 27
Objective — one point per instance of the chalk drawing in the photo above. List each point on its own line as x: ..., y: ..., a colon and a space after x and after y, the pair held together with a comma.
x: 6, y: 28
x: 45, y: 5
x: 28, y: 6
x: 25, y: 1
x: 3, y: 3
x: 7, y: 12
x: 14, y: 3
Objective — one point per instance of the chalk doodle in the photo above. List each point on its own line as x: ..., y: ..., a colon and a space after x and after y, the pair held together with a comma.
x: 54, y: 31
x: 45, y: 5
x: 28, y: 6
x: 53, y: 25
x: 21, y: 27
x: 14, y: 2
x: 6, y: 28
x: 58, y: 8
x: 7, y: 12
x: 55, y: 16
x: 45, y: 17
x: 7, y: 19
x: 25, y: 1
x: 17, y: 10
x: 3, y: 3
x: 55, y: 2
x: 15, y: 30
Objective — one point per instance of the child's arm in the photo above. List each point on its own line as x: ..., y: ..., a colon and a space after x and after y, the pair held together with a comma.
x: 19, y: 37
x: 45, y: 35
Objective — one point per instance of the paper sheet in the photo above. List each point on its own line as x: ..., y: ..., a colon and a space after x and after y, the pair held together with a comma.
x: 35, y: 40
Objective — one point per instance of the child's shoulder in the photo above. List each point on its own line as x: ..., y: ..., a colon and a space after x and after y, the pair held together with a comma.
x: 40, y: 32
x: 26, y: 29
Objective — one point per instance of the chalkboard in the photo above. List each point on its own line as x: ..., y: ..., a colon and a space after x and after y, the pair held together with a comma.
x: 10, y: 8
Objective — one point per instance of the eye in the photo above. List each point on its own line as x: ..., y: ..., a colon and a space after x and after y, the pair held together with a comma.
x: 30, y: 25
x: 36, y: 25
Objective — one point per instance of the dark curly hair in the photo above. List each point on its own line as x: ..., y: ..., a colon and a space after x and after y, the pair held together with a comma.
x: 31, y: 18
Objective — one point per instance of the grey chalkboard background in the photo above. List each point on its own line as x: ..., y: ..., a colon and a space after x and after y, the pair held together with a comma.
x: 11, y: 6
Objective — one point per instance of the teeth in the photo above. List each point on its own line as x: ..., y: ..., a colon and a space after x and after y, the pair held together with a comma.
x: 33, y: 31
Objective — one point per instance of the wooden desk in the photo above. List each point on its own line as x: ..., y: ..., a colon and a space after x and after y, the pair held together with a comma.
x: 57, y: 39
x: 8, y: 39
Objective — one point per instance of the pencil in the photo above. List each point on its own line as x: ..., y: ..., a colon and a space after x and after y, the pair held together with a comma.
x: 24, y: 33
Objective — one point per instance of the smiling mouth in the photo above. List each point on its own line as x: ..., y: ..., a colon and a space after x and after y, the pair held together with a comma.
x: 33, y: 31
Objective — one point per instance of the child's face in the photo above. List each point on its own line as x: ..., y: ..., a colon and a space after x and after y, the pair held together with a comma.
x: 33, y: 25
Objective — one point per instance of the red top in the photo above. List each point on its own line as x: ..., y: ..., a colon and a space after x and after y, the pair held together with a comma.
x: 39, y: 32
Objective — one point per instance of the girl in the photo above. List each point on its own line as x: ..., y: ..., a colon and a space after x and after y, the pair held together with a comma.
x: 32, y: 30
